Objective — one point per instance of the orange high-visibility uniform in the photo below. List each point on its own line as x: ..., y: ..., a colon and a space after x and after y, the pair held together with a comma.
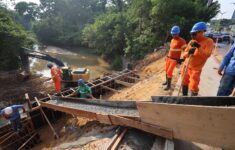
x: 198, y: 60
x: 56, y: 76
x: 176, y: 47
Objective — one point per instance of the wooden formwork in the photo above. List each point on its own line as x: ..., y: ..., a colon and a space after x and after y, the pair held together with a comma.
x: 26, y: 138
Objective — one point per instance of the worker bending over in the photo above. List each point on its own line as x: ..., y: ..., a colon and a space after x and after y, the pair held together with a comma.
x: 84, y: 91
x: 177, y: 45
x: 227, y: 83
x: 12, y: 113
x: 199, y: 50
x: 56, y: 74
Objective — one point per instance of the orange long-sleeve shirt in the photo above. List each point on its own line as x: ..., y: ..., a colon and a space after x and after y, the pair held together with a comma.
x: 56, y: 73
x: 201, y: 54
x: 176, y: 47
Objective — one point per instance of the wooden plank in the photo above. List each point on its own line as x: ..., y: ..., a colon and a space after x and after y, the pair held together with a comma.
x: 203, y: 124
x: 10, y: 136
x: 23, y: 145
x: 133, y: 78
x: 103, y: 119
x: 28, y: 101
x: 5, y: 135
x: 169, y: 145
x: 153, y: 129
x: 117, y: 141
x: 123, y: 83
x: 111, y: 89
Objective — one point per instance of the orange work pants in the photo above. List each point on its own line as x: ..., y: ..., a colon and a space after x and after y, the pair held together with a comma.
x: 191, y: 79
x: 170, y: 66
x: 57, y: 85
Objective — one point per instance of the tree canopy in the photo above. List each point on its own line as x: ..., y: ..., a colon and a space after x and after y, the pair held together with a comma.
x: 12, y: 37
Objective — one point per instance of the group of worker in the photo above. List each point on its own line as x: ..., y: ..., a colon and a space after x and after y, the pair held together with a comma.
x: 83, y: 90
x: 12, y: 114
x: 194, y: 57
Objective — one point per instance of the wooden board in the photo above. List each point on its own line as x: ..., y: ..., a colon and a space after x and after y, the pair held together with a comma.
x: 204, y: 124
x: 153, y: 129
x: 123, y: 83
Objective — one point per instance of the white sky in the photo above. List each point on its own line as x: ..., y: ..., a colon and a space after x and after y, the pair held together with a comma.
x: 226, y: 6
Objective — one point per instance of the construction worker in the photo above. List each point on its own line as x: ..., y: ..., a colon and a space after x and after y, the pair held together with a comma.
x: 196, y: 54
x: 227, y: 82
x: 83, y: 90
x: 12, y: 113
x: 56, y: 74
x: 177, y: 45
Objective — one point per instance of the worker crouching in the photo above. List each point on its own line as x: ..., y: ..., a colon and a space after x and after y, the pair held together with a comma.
x: 177, y: 45
x: 196, y: 54
x: 84, y: 91
x: 12, y: 113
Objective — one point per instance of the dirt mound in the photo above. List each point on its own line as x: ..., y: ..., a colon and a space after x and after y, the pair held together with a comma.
x: 152, y: 74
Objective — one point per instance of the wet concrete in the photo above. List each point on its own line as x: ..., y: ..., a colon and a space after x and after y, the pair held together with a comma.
x: 96, y: 108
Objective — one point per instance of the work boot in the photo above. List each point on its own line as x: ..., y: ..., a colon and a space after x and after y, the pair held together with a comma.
x: 168, y: 86
x: 165, y: 83
x: 185, y: 90
x: 194, y: 94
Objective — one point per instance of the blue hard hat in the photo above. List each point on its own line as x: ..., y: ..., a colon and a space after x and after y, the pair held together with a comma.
x: 175, y: 30
x: 200, y: 26
x: 50, y: 65
x: 81, y: 81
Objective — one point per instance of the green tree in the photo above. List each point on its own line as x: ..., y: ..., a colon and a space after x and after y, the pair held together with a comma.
x: 12, y: 37
x: 27, y: 13
x: 61, y: 22
x: 143, y: 24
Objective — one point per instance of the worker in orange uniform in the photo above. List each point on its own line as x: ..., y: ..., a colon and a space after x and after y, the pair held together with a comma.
x: 56, y: 76
x: 199, y: 50
x: 177, y: 45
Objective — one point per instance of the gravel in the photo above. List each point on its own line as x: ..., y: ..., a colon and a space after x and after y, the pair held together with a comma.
x: 96, y: 108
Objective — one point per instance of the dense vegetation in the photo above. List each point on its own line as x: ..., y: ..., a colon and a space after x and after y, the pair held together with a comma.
x: 116, y: 28
x: 12, y: 37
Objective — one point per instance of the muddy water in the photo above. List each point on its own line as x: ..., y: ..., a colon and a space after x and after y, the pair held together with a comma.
x: 74, y: 58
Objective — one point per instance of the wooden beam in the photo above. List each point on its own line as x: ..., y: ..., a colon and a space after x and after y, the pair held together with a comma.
x: 133, y: 78
x: 23, y: 145
x: 49, y: 123
x: 11, y: 135
x: 203, y: 124
x: 153, y: 129
x: 123, y: 83
x: 111, y: 89
x: 28, y: 101
x: 114, y: 120
x: 169, y: 145
x: 116, y: 141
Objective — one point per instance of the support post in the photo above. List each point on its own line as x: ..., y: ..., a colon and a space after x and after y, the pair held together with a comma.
x: 53, y: 130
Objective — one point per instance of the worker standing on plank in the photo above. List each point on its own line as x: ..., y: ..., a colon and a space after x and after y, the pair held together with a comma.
x: 12, y: 113
x: 177, y: 45
x: 227, y: 83
x: 84, y: 90
x: 56, y: 74
x: 199, y: 49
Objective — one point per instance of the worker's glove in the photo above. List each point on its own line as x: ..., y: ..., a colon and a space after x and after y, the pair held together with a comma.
x: 192, y: 50
x: 179, y: 61
x: 195, y: 44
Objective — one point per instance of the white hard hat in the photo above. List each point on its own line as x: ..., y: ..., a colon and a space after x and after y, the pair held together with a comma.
x: 8, y: 110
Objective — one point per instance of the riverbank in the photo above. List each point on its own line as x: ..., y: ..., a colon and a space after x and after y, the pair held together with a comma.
x: 13, y: 87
